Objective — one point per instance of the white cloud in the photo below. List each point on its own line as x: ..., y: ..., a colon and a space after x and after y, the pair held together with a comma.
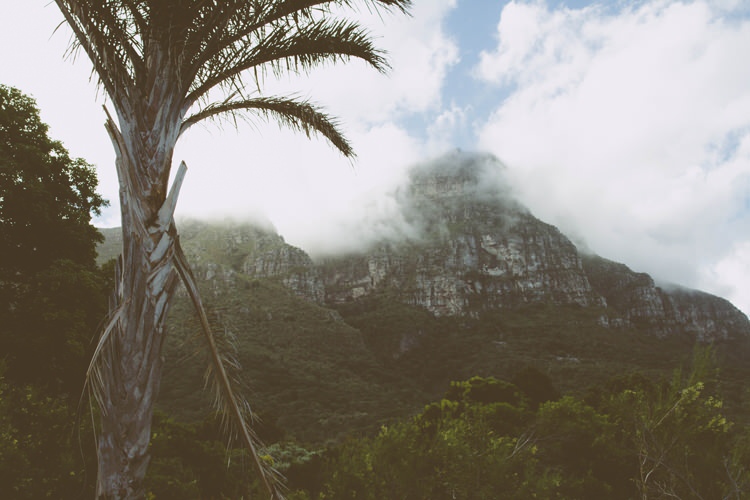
x: 419, y: 53
x: 441, y: 132
x: 315, y: 198
x: 303, y: 186
x: 630, y: 129
x: 729, y: 275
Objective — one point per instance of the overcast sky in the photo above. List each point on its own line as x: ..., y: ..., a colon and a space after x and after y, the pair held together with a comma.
x: 626, y: 124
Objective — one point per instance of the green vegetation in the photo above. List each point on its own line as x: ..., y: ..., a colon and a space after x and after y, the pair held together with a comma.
x: 483, y: 440
x: 567, y: 343
x: 41, y: 455
x: 306, y: 370
x: 51, y: 300
x: 631, y: 437
x: 50, y: 290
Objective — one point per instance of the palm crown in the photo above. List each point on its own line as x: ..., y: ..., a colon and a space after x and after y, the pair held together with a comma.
x: 144, y: 50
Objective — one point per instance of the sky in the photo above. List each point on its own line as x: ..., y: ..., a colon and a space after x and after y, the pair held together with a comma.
x: 624, y: 123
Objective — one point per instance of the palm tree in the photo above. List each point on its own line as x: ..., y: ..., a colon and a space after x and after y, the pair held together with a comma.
x: 162, y: 64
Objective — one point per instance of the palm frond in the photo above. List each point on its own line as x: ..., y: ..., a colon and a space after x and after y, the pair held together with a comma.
x: 235, y: 24
x: 230, y: 402
x: 202, y: 45
x: 297, y: 115
x: 282, y: 50
x: 107, y: 33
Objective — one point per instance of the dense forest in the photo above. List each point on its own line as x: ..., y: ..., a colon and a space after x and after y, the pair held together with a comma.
x: 52, y: 297
x: 679, y: 432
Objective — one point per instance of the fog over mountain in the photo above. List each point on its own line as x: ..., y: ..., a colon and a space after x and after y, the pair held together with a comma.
x: 389, y: 213
x: 625, y: 124
x: 461, y: 278
x: 455, y: 240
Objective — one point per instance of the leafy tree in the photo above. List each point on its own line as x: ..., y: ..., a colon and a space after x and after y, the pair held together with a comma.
x: 471, y: 446
x: 579, y: 444
x: 677, y: 438
x: 163, y: 63
x: 50, y: 290
x: 47, y: 198
x: 40, y: 455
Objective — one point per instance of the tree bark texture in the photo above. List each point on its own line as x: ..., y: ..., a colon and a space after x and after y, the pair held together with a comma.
x: 130, y: 364
x: 131, y: 369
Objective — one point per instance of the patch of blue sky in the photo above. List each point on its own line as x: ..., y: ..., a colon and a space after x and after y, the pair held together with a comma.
x: 473, y: 25
x: 726, y: 148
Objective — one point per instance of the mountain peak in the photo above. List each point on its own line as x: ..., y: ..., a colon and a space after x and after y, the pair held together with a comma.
x: 459, y: 174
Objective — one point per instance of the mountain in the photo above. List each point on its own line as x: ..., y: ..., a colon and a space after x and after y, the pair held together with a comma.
x: 476, y: 286
x: 476, y: 249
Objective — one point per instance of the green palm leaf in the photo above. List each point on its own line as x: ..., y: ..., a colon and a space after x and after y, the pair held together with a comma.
x: 297, y: 115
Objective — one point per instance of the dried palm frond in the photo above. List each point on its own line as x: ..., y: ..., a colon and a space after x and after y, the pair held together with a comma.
x: 225, y: 368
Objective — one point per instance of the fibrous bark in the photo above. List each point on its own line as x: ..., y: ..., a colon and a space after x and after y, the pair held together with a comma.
x: 129, y: 366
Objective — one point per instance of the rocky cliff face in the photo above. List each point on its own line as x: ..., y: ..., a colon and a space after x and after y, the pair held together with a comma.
x: 226, y: 251
x: 635, y: 301
x: 473, y: 249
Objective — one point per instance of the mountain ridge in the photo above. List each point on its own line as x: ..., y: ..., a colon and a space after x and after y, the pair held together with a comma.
x: 479, y: 287
x: 473, y: 248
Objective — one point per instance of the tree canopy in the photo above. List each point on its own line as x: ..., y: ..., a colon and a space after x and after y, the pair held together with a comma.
x: 47, y: 198
x: 50, y: 291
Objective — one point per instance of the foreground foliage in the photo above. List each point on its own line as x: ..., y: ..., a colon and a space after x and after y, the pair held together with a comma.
x: 51, y: 300
x: 632, y: 439
x: 488, y: 439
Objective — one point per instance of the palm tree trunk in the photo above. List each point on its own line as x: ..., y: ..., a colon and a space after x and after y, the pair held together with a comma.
x: 129, y: 368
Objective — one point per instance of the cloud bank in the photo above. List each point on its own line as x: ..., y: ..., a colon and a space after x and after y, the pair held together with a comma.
x: 234, y: 171
x: 631, y: 131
